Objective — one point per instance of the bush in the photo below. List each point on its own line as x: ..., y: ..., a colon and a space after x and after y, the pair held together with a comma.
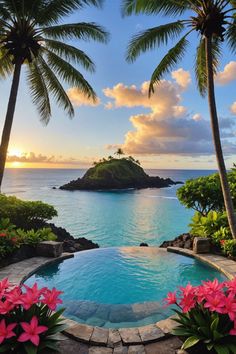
x: 28, y: 323
x: 208, y: 225
x: 24, y: 213
x: 229, y: 247
x: 207, y: 316
x: 12, y: 238
x: 204, y: 194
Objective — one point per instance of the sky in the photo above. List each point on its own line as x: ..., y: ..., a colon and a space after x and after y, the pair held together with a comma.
x: 169, y: 131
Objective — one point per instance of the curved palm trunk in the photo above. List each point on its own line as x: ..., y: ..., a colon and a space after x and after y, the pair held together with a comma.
x: 216, y: 138
x: 9, y: 119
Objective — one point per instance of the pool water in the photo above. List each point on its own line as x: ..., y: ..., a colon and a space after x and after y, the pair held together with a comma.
x: 121, y: 287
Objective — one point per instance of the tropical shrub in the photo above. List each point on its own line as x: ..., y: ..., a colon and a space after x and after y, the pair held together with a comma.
x: 206, y: 315
x: 229, y: 247
x: 204, y: 194
x: 28, y: 321
x: 206, y: 226
x: 23, y: 213
x: 12, y: 238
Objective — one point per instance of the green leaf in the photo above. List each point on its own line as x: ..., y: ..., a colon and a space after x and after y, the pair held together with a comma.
x: 30, y: 348
x: 190, y: 342
x: 221, y: 349
x: 214, y: 324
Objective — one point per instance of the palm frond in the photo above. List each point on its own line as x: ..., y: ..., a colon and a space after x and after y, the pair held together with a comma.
x: 6, y: 66
x: 153, y: 37
x: 201, y: 65
x: 39, y: 90
x: 231, y: 36
x: 57, y: 9
x: 69, y: 74
x: 70, y: 53
x: 173, y: 56
x: 170, y: 7
x: 83, y: 30
x: 55, y: 87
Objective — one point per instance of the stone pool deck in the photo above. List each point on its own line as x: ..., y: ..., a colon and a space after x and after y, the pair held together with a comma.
x: 83, y: 339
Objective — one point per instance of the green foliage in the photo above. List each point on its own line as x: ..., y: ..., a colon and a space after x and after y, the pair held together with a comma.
x: 204, y: 193
x: 25, y: 212
x: 206, y: 226
x: 12, y: 238
x: 211, y: 329
x: 32, y: 237
x: 38, y: 40
x: 229, y: 247
x: 222, y: 234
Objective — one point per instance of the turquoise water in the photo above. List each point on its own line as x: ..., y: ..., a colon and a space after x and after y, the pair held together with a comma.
x: 121, y: 287
x: 124, y: 218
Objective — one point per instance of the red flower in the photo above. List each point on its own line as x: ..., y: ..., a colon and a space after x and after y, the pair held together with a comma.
x: 32, y: 331
x: 170, y: 299
x: 230, y: 306
x: 222, y: 242
x: 31, y: 296
x: 51, y: 298
x: 5, y: 307
x: 6, y: 332
x: 4, y: 284
x: 15, y: 296
x: 188, y: 302
x: 3, y: 235
x: 215, y: 302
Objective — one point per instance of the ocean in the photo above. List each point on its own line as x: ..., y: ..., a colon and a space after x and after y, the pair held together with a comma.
x: 111, y: 218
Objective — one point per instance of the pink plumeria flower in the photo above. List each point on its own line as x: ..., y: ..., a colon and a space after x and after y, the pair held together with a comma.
x: 230, y: 306
x: 215, y: 302
x: 213, y: 286
x: 51, y: 298
x: 231, y: 285
x: 6, y: 332
x: 188, y: 290
x: 15, y: 296
x: 32, y: 331
x: 171, y: 299
x: 32, y: 296
x: 187, y: 303
x: 4, y: 284
x: 5, y: 307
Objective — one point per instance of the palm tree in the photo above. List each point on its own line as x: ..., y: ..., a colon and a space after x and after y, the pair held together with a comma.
x: 214, y: 21
x: 119, y: 152
x: 31, y: 34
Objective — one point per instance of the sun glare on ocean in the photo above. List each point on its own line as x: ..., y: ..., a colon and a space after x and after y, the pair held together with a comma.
x: 13, y: 158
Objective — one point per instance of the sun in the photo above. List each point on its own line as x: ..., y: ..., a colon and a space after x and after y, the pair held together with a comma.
x: 15, y: 152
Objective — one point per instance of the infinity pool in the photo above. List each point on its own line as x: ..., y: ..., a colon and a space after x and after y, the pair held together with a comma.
x: 121, y: 287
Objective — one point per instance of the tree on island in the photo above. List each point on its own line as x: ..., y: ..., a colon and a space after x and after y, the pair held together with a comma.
x: 31, y: 34
x: 119, y: 152
x: 214, y: 21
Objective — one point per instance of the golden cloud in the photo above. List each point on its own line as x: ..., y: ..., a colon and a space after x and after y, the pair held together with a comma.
x: 227, y: 75
x: 182, y: 77
x: 78, y: 98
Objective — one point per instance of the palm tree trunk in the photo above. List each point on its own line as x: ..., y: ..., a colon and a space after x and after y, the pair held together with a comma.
x: 216, y: 138
x: 9, y: 119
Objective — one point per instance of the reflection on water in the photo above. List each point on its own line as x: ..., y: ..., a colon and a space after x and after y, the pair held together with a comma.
x: 123, y: 218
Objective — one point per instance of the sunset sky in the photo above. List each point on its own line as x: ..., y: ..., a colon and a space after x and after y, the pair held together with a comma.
x: 170, y: 130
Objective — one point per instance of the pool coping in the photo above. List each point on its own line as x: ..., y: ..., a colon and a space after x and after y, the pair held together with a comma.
x: 107, y: 337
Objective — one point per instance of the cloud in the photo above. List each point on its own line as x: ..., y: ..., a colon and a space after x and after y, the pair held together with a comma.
x: 233, y: 108
x: 78, y: 98
x: 31, y: 157
x: 182, y: 77
x: 165, y: 101
x: 168, y: 128
x: 227, y: 75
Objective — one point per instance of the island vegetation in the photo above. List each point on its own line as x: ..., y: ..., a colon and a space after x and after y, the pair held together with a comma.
x: 117, y: 173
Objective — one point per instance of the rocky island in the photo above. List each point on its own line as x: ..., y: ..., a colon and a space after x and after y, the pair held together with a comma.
x: 117, y: 173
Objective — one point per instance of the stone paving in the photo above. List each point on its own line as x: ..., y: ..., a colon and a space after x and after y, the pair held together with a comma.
x: 83, y: 339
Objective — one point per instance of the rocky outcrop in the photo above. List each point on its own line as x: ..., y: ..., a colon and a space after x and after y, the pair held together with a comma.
x: 117, y: 174
x: 182, y: 241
